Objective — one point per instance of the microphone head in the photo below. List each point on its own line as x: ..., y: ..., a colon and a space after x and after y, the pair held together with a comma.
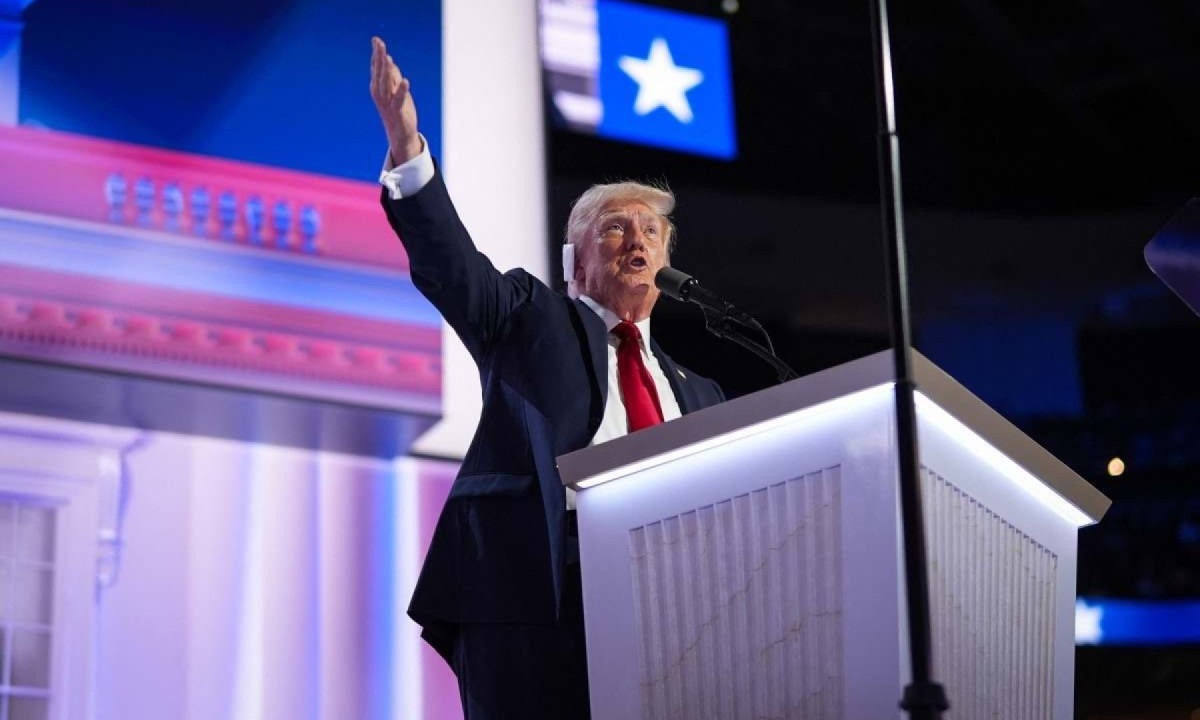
x: 674, y: 283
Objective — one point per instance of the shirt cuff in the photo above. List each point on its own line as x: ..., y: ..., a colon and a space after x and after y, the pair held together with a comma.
x: 407, y: 178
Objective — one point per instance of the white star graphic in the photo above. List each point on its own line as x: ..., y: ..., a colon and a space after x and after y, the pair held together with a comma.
x: 1088, y: 619
x: 661, y: 83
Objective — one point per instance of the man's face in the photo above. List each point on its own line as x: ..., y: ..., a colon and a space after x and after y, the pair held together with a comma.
x: 625, y: 249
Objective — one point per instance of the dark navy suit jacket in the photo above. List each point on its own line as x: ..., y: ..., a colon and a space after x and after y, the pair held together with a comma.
x: 500, y: 547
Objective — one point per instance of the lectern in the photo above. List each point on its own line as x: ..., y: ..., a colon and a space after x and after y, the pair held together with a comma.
x: 745, y: 562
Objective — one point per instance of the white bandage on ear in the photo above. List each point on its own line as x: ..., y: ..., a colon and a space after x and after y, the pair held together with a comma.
x: 568, y: 264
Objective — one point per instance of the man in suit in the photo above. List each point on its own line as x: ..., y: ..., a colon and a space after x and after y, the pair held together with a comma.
x: 499, y: 595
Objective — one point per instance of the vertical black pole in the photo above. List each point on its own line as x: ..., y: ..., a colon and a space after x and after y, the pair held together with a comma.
x: 924, y: 698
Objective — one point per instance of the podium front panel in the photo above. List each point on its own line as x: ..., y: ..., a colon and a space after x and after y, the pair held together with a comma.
x: 727, y: 585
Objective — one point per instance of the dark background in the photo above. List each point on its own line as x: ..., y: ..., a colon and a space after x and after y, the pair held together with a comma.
x: 1043, y: 145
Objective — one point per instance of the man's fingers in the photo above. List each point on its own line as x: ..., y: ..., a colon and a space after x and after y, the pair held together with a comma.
x: 386, y: 81
x: 394, y: 78
x: 377, y: 56
x: 384, y: 72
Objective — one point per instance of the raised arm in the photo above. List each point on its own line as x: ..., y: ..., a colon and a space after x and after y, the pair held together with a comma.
x: 474, y: 298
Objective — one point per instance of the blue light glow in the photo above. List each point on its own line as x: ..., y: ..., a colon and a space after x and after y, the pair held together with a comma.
x: 1107, y: 621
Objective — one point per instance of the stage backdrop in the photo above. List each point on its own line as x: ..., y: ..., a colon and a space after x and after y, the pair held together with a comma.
x: 214, y: 363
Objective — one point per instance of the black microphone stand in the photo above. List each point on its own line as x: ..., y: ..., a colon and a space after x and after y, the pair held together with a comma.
x: 923, y: 698
x: 723, y: 325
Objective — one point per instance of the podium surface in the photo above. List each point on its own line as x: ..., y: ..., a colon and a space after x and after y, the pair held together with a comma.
x: 745, y: 561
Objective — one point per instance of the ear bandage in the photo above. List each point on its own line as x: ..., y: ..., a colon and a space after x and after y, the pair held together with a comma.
x: 568, y: 263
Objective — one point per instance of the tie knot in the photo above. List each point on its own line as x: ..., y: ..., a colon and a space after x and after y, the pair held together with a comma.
x: 627, y: 332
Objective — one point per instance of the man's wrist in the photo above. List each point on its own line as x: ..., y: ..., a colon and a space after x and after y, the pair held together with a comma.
x: 406, y: 178
x: 408, y: 150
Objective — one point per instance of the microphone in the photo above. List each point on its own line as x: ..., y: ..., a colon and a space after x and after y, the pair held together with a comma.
x: 717, y: 316
x: 681, y: 286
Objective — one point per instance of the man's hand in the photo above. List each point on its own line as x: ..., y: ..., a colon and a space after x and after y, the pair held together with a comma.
x: 390, y: 91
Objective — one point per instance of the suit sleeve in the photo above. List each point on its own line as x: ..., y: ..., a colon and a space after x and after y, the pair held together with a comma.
x: 473, y: 297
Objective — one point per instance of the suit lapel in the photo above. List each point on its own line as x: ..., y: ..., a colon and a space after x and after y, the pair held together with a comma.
x: 597, y: 346
x: 688, y: 402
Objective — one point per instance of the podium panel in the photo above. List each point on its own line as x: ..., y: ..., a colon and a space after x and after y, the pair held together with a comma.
x: 745, y: 561
x: 735, y: 599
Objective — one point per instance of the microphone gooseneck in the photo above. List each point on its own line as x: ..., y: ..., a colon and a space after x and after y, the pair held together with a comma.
x: 721, y: 318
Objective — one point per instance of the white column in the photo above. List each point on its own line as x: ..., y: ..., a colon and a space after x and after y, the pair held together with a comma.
x: 494, y: 164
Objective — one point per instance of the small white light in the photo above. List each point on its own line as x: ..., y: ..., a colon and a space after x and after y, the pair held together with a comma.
x: 1116, y: 467
x: 730, y: 6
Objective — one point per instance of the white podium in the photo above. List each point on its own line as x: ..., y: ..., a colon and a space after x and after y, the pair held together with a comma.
x: 744, y: 562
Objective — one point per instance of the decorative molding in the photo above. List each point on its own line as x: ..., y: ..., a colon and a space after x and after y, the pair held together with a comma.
x: 67, y: 464
x: 49, y: 456
x: 156, y: 335
x: 114, y: 486
x: 85, y: 283
x: 220, y: 201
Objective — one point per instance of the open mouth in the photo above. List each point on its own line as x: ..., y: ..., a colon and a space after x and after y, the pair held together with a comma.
x: 637, y: 263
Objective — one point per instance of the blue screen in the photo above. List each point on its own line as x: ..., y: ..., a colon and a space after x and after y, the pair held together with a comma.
x: 275, y: 82
x: 664, y: 79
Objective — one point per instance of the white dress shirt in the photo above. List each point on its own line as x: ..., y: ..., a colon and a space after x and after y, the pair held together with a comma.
x: 407, y: 178
x: 614, y: 424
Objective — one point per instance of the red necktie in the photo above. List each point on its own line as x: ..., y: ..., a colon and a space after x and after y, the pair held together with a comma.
x: 637, y: 387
